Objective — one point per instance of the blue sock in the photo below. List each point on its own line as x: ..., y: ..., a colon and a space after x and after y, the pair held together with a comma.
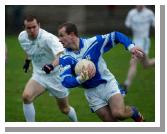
x: 135, y: 113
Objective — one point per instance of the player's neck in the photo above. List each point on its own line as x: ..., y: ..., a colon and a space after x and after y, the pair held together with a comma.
x: 76, y: 45
x: 33, y: 38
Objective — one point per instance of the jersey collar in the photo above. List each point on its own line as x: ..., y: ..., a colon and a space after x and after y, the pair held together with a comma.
x: 81, y: 45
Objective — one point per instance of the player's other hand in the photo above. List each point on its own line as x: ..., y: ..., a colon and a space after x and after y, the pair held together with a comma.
x: 137, y: 52
x: 26, y: 65
x: 48, y: 68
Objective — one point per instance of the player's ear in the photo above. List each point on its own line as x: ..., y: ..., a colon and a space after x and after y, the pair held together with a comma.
x: 39, y: 24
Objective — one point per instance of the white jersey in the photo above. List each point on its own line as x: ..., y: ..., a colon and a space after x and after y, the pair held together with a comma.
x: 140, y: 22
x: 42, y: 50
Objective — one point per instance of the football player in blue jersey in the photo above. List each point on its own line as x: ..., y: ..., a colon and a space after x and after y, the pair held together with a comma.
x: 102, y: 90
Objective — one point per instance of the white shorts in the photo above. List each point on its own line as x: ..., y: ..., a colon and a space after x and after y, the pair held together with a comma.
x: 51, y: 83
x: 143, y: 43
x: 98, y: 97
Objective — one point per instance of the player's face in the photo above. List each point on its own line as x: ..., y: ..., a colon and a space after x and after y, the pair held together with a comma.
x: 32, y: 28
x: 64, y: 38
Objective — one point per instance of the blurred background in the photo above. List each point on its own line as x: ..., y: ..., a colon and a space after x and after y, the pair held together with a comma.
x: 91, y: 20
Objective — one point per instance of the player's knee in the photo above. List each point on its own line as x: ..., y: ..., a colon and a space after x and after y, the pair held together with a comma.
x: 108, y: 119
x: 65, y: 110
x: 117, y: 113
x: 27, y: 98
x: 105, y: 117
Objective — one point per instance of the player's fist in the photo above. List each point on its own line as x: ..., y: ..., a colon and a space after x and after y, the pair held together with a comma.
x: 26, y: 65
x: 48, y: 68
x: 137, y: 52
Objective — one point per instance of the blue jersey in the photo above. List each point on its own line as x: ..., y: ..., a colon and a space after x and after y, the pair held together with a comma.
x: 92, y: 49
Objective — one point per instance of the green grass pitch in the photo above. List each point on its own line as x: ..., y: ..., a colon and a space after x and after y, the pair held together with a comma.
x: 141, y: 94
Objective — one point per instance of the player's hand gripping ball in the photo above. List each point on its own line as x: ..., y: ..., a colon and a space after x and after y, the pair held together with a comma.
x: 86, y: 69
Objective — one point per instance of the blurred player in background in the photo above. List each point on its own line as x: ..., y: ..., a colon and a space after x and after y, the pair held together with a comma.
x: 139, y: 20
x: 42, y: 47
x: 101, y: 91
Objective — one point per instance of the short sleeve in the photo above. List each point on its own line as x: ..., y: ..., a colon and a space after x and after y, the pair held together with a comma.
x: 54, y: 44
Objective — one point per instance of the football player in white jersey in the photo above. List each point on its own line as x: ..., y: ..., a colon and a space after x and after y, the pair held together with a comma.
x: 101, y: 91
x: 42, y: 47
x: 139, y: 20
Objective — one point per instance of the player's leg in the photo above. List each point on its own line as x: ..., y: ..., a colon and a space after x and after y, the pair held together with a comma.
x: 65, y: 108
x: 31, y: 91
x: 131, y: 73
x: 121, y: 112
x: 54, y: 86
x: 97, y: 99
x: 104, y: 114
x: 139, y: 42
x: 148, y: 62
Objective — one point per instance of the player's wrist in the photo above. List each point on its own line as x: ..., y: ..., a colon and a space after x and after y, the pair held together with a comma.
x: 79, y: 79
x: 27, y: 61
x: 131, y: 46
x: 48, y: 68
x: 51, y: 66
x: 26, y: 65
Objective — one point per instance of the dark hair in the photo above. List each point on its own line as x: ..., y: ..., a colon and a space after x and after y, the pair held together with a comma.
x: 70, y: 27
x: 31, y: 18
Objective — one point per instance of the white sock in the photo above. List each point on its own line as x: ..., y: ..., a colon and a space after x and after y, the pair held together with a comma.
x: 29, y: 112
x: 127, y: 82
x: 72, y: 114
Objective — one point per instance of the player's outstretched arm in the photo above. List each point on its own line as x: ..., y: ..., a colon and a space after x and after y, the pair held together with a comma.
x: 50, y: 67
x: 56, y: 60
x: 123, y: 39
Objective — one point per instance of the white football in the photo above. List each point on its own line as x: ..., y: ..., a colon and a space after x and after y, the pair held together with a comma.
x: 84, y: 63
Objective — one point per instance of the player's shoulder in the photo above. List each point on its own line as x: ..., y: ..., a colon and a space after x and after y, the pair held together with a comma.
x: 132, y: 11
x: 66, y: 56
x: 148, y: 11
x: 22, y: 35
x: 46, y: 35
x: 87, y: 41
x: 91, y: 40
x: 43, y: 33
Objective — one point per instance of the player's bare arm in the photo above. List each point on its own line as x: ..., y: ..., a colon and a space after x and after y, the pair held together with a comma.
x: 56, y: 60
